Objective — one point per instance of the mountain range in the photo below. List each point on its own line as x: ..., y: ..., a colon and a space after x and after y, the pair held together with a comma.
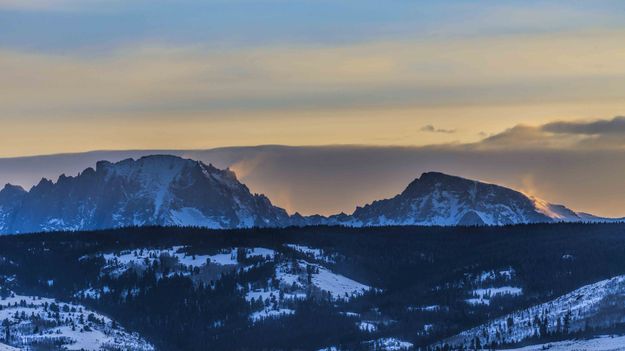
x: 170, y: 190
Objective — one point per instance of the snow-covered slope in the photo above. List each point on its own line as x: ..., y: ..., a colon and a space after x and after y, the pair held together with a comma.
x: 441, y: 199
x: 598, y: 305
x: 271, y: 296
x: 177, y: 259
x: 601, y: 343
x: 559, y: 212
x: 52, y: 325
x: 382, y: 344
x: 4, y: 347
x: 153, y: 190
x: 296, y: 281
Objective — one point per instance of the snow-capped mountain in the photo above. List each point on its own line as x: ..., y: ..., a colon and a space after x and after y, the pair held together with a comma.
x: 169, y: 190
x: 153, y: 190
x: 441, y: 199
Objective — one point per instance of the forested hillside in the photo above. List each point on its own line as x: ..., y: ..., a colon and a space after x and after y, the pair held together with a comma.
x: 314, y: 287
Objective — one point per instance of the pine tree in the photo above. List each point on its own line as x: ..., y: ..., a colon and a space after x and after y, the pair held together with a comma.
x: 510, y: 323
x: 567, y: 322
x: 478, y: 344
x: 7, y: 330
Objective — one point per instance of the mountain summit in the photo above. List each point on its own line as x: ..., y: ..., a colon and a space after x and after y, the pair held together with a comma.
x: 153, y: 190
x: 440, y: 199
x: 169, y: 190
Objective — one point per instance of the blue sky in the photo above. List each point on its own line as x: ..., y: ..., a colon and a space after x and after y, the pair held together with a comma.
x: 91, y: 24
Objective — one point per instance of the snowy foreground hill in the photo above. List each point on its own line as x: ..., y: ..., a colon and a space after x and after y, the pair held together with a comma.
x: 601, y: 343
x: 4, y: 347
x: 288, y: 282
x: 316, y: 288
x: 36, y: 323
x: 169, y: 191
x: 599, y: 305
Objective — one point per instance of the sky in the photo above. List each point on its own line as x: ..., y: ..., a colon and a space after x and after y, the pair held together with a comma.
x: 533, y: 81
x: 83, y: 75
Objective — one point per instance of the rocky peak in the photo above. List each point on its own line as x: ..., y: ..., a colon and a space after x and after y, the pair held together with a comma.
x: 10, y: 192
x: 152, y: 190
x: 439, y: 199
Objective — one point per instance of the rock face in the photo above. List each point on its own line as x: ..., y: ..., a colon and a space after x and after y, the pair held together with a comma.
x: 153, y: 190
x: 169, y: 190
x: 440, y: 199
x: 11, y: 197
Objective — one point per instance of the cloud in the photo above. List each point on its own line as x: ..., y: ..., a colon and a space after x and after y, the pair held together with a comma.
x: 408, y: 72
x: 615, y: 125
x: 573, y: 135
x: 522, y: 137
x: 430, y: 129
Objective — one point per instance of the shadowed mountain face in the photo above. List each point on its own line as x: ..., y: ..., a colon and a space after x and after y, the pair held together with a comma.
x: 11, y: 197
x: 169, y: 190
x: 440, y: 199
x: 154, y: 190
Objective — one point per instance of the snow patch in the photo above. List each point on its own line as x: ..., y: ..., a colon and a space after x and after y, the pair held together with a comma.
x: 389, y: 344
x: 316, y: 254
x: 118, y: 263
x: 192, y: 217
x: 264, y: 314
x: 367, y: 326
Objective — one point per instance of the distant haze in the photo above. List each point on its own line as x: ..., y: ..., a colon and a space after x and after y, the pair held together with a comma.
x: 331, y: 179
